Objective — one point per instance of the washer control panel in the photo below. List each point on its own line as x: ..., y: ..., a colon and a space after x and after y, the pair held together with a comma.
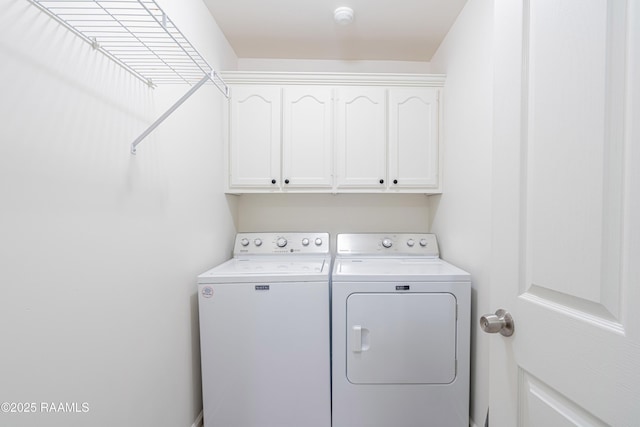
x: 281, y: 243
x: 388, y: 244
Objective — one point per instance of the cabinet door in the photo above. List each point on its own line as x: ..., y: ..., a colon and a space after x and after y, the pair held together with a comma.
x: 254, y: 140
x: 413, y: 138
x: 361, y: 137
x: 307, y: 137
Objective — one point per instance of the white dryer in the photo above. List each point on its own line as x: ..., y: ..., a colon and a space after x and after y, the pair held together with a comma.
x: 400, y: 334
x: 264, y: 333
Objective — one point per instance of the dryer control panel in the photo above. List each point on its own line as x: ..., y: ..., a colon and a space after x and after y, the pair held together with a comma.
x: 281, y: 243
x: 388, y: 244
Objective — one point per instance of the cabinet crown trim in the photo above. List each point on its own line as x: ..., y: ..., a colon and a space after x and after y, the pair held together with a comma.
x: 305, y: 78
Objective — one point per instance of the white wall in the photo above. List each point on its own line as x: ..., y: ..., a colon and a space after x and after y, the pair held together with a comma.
x: 342, y: 213
x: 99, y: 249
x: 331, y: 66
x: 461, y: 216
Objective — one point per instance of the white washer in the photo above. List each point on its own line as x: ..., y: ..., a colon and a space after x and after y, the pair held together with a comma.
x: 400, y: 333
x: 264, y: 333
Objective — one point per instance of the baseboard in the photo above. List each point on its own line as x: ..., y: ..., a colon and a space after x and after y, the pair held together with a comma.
x: 198, y: 422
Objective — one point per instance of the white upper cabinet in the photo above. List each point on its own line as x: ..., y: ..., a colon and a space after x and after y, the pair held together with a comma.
x: 307, y: 137
x: 413, y: 138
x: 334, y: 133
x: 361, y: 142
x: 255, y: 133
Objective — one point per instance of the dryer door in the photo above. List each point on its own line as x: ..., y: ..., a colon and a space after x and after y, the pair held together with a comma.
x: 401, y: 338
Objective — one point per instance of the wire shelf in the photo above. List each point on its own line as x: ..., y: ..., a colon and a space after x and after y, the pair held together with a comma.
x: 138, y: 35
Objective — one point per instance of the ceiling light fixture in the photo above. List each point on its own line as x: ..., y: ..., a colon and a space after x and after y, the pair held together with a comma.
x: 343, y: 15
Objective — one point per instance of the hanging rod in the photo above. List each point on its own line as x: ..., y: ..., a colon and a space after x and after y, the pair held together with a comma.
x: 139, y: 36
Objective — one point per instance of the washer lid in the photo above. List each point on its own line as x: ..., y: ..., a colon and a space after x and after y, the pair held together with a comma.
x: 390, y: 269
x: 268, y: 269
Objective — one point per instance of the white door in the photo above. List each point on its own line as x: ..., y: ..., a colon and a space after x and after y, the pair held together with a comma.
x: 361, y: 142
x: 254, y: 140
x: 413, y: 138
x: 566, y: 204
x: 307, y: 137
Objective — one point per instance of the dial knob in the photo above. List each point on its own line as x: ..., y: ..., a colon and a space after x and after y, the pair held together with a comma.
x: 318, y: 241
x: 305, y: 242
x: 423, y: 242
x: 410, y: 243
x: 387, y: 243
x: 244, y: 241
x: 281, y: 242
x: 257, y: 242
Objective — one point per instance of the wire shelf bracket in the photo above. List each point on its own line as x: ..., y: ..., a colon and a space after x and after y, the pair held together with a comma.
x: 139, y: 36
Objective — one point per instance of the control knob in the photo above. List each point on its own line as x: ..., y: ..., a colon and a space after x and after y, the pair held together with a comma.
x: 387, y: 243
x: 318, y: 241
x: 281, y: 242
x: 423, y: 242
x: 410, y: 243
x: 244, y: 241
x: 305, y: 242
x: 257, y: 242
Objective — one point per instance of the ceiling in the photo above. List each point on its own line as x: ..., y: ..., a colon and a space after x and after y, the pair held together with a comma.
x: 399, y: 30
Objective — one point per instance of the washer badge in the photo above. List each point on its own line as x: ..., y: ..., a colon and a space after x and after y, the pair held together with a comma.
x: 207, y: 292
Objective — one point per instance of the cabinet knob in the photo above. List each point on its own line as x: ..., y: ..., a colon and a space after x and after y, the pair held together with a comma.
x: 395, y: 181
x: 382, y: 181
x: 286, y: 181
x: 273, y: 181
